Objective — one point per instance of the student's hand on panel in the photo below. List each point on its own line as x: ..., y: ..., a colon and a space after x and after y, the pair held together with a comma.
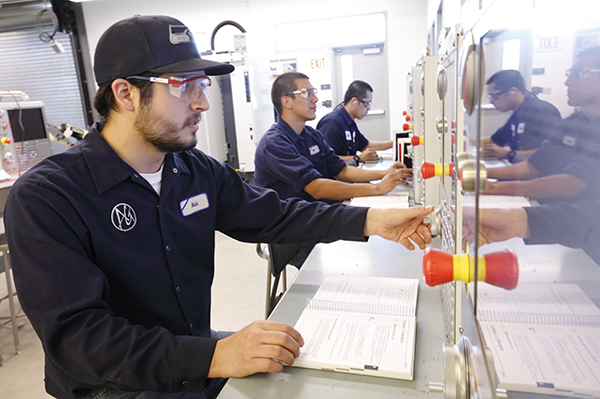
x: 391, y: 180
x: 495, y: 224
x: 405, y: 226
x: 494, y: 151
x: 399, y: 165
x: 257, y: 348
x: 368, y: 154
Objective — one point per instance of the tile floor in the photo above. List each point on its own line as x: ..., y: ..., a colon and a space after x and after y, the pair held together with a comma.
x: 238, y: 299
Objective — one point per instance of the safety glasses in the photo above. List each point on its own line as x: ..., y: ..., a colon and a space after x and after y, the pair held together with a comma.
x: 186, y: 89
x: 580, y: 74
x: 305, y: 93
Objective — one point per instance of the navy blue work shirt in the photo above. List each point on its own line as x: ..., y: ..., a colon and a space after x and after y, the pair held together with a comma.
x: 573, y: 149
x: 116, y: 279
x: 286, y: 161
x: 575, y: 225
x: 341, y: 132
x: 527, y: 128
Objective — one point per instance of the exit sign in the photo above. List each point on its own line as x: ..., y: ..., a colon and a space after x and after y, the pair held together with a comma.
x: 547, y: 43
x: 317, y: 63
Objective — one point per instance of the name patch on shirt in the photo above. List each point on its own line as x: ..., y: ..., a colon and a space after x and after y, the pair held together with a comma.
x: 314, y: 149
x: 193, y: 204
x: 570, y: 141
x: 348, y: 136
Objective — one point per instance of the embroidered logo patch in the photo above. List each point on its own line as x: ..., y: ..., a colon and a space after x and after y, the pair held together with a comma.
x: 521, y: 128
x: 348, y: 136
x: 194, y: 204
x: 313, y: 150
x: 180, y: 34
x: 123, y: 217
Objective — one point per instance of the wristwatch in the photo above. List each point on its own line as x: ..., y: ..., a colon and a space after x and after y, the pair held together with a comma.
x: 356, y: 159
x: 511, y: 155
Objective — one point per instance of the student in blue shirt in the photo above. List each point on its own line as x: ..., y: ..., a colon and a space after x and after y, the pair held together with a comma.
x: 532, y: 120
x: 296, y: 161
x: 566, y: 166
x: 341, y: 132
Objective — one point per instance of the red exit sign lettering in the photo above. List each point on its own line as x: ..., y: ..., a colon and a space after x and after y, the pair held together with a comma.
x: 317, y: 63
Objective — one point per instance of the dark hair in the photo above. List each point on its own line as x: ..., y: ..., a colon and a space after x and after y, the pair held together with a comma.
x: 591, y: 52
x: 282, y: 85
x: 104, y: 100
x: 357, y: 89
x: 504, y: 80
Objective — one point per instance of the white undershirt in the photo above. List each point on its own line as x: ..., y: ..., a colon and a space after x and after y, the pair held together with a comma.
x: 154, y: 178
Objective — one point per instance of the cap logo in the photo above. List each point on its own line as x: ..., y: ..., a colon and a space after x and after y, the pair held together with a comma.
x: 180, y: 34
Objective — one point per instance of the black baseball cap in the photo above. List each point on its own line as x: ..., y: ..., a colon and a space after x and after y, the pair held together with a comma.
x: 154, y: 43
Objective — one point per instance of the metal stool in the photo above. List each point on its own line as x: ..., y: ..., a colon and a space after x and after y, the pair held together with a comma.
x: 10, y: 295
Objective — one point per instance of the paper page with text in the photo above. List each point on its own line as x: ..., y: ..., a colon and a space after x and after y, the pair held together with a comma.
x: 554, y: 360
x: 361, y: 325
x: 562, y: 304
x: 544, y: 338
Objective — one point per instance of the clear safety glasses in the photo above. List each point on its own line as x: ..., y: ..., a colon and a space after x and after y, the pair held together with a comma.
x: 186, y: 89
x: 580, y: 74
x: 367, y: 104
x: 305, y: 93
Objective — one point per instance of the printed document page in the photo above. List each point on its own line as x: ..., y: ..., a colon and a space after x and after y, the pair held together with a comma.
x: 362, y: 325
x: 555, y: 360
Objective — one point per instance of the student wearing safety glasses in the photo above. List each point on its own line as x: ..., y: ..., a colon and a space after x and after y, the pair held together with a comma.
x: 341, y: 132
x: 532, y: 120
x: 112, y: 241
x: 566, y: 167
x: 296, y: 161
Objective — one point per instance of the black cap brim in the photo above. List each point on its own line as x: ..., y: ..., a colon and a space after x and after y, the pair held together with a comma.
x: 210, y: 68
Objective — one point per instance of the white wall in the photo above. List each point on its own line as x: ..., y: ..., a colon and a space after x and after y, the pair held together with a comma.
x: 407, y: 32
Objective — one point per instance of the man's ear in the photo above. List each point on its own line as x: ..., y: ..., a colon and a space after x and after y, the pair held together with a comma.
x: 125, y: 94
x: 286, y: 102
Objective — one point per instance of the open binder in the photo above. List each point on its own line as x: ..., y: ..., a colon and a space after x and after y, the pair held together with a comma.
x: 361, y: 325
x: 544, y: 338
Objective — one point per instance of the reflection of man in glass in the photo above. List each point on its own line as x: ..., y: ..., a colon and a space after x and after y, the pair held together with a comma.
x: 531, y: 122
x: 567, y: 164
x: 575, y: 225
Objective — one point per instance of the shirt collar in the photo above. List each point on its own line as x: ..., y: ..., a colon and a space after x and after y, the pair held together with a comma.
x: 347, y: 118
x: 288, y: 131
x: 98, y: 154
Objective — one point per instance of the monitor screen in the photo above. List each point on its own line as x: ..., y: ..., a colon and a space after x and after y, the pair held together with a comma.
x: 27, y: 124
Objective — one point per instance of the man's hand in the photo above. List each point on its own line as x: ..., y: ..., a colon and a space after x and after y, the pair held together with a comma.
x: 494, y: 151
x: 400, y: 225
x: 368, y: 154
x: 495, y: 225
x: 399, y: 165
x: 257, y: 348
x: 393, y: 179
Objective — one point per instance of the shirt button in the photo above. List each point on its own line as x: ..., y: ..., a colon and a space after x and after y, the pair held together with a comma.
x: 175, y: 170
x: 178, y: 288
x: 185, y: 383
x: 168, y: 247
x: 191, y: 326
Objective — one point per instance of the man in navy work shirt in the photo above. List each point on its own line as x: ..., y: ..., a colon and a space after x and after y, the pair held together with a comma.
x: 296, y: 161
x: 566, y: 166
x: 341, y: 132
x: 531, y: 122
x: 112, y: 241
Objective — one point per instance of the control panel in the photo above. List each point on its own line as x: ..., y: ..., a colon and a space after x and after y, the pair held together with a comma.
x: 23, y: 137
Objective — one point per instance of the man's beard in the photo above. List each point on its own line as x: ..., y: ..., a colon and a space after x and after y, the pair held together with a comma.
x: 162, y: 134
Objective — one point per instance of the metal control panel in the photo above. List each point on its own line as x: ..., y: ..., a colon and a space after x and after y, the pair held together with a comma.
x: 24, y: 139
